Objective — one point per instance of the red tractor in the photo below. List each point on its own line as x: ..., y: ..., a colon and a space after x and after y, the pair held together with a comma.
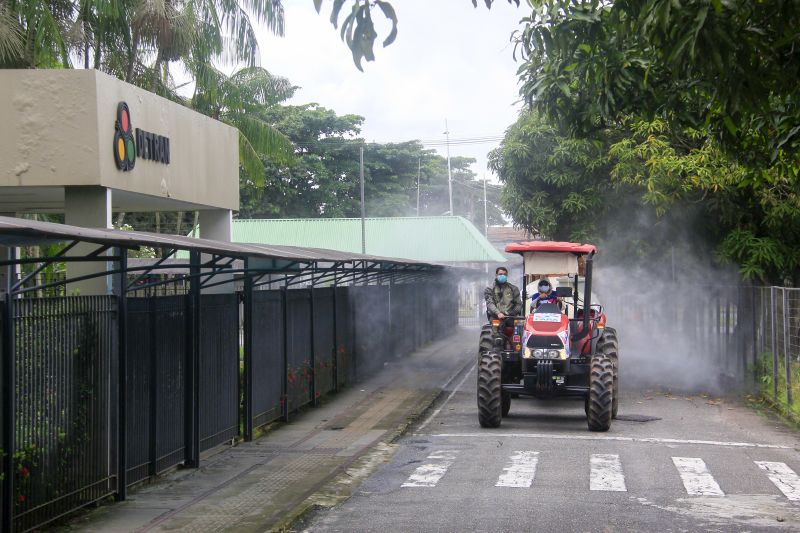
x: 551, y: 352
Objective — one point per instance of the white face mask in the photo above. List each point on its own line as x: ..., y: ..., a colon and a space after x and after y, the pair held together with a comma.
x: 544, y: 288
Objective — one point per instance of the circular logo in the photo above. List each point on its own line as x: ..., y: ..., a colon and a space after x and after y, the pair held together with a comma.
x: 124, y: 146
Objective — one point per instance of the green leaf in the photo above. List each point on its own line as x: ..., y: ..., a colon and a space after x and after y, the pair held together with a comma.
x: 337, y: 7
x: 729, y: 124
x: 390, y: 14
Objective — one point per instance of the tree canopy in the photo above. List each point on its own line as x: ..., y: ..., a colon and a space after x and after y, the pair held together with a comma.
x: 690, y: 105
x: 323, y: 178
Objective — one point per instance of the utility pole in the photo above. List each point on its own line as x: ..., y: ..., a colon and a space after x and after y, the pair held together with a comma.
x: 485, y: 219
x: 419, y: 170
x: 449, y: 172
x: 363, y: 208
x: 485, y: 213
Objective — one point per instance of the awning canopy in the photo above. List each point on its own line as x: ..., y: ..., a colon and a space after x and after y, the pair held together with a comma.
x: 20, y: 232
x: 551, y: 246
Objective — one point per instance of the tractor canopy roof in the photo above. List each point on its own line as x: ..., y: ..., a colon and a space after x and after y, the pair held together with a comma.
x: 550, y: 246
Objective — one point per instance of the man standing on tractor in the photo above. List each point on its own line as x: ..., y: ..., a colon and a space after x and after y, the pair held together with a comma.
x: 546, y: 295
x: 503, y: 298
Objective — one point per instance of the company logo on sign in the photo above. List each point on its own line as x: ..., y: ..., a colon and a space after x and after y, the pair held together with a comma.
x: 124, y: 147
x: 127, y: 146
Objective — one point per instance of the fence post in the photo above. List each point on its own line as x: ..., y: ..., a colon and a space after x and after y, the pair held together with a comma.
x: 122, y: 372
x: 9, y: 359
x: 285, y: 310
x: 248, y: 352
x: 152, y: 341
x: 335, y: 358
x: 192, y: 400
x: 786, y: 356
x: 773, y: 312
x: 313, y: 361
x: 353, y: 331
x: 755, y: 333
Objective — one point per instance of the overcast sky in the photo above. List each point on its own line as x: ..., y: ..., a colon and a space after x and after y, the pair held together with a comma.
x: 450, y: 61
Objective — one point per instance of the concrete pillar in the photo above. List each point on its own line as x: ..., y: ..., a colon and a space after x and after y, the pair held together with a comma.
x: 87, y: 207
x: 217, y: 224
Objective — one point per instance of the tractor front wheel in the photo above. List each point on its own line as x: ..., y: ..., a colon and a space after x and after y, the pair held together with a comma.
x: 601, y: 393
x: 609, y: 346
x: 490, y: 401
x: 506, y: 403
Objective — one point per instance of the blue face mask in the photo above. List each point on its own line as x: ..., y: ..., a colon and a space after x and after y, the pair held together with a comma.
x: 502, y: 278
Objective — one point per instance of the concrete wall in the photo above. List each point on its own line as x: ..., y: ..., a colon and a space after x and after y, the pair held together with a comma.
x: 58, y: 130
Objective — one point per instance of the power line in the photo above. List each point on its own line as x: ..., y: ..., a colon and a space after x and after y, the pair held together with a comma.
x: 436, y: 142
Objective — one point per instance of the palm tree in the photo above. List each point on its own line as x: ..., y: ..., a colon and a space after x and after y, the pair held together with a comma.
x: 240, y: 100
x: 32, y: 33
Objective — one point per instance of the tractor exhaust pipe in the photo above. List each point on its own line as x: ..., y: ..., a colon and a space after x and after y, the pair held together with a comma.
x: 587, y: 292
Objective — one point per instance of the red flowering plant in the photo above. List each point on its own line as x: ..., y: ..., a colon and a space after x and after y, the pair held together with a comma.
x: 26, y: 460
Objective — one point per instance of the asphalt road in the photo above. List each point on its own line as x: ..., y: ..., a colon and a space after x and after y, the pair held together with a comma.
x: 700, y: 463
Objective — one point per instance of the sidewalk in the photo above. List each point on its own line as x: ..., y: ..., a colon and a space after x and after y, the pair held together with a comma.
x: 316, y: 459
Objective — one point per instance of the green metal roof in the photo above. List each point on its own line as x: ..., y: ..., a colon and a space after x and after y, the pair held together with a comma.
x: 436, y: 239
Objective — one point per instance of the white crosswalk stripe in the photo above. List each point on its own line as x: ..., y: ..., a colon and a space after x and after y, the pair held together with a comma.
x: 696, y: 477
x: 520, y: 471
x: 429, y: 474
x: 606, y: 473
x: 783, y: 477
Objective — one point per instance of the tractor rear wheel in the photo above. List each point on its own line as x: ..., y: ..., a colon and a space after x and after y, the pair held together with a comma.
x: 601, y: 393
x: 609, y: 346
x: 506, y: 403
x: 490, y: 401
x: 486, y: 343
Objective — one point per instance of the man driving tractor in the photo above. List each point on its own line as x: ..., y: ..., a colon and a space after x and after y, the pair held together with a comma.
x: 502, y: 299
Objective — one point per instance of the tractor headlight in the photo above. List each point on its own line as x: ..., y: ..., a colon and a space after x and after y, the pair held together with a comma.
x: 544, y: 353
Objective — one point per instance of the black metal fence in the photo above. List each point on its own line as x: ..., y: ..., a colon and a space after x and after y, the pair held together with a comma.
x: 64, y: 424
x: 702, y: 338
x: 188, y: 384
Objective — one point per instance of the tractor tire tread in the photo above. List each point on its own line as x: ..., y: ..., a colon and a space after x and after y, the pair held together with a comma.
x: 608, y: 347
x: 601, y: 393
x: 486, y: 341
x: 490, y: 399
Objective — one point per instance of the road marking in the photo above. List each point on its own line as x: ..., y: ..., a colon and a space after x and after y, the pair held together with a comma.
x: 696, y: 477
x: 782, y: 477
x: 429, y: 474
x: 606, y: 473
x: 520, y: 471
x: 439, y: 410
x: 648, y: 440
